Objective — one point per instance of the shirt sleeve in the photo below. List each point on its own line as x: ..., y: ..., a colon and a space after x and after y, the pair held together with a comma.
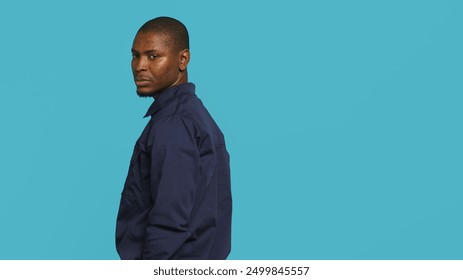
x: 174, y: 179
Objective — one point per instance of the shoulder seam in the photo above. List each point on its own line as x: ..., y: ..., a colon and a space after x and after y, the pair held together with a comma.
x: 183, y: 116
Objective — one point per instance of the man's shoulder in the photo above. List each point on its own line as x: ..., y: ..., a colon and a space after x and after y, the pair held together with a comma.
x: 189, y: 113
x: 174, y: 125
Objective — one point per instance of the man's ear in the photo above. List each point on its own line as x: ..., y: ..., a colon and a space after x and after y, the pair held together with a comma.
x: 184, y: 59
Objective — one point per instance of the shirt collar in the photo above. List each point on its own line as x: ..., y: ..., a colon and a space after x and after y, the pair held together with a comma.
x: 167, y: 95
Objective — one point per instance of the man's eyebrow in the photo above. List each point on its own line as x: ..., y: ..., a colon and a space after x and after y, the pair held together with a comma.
x: 149, y: 51
x: 145, y: 52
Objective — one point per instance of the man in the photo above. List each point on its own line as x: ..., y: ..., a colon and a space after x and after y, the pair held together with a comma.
x: 176, y: 202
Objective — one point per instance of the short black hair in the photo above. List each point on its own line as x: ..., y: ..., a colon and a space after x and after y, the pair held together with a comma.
x: 170, y: 26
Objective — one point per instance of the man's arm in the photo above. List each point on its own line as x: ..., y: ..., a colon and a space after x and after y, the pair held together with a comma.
x: 174, y: 182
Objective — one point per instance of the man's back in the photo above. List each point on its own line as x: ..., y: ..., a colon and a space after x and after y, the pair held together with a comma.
x: 176, y: 202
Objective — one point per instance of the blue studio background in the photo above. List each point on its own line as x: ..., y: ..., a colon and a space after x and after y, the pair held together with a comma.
x: 343, y: 120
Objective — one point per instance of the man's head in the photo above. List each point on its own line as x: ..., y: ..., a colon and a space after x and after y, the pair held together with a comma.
x: 160, y: 55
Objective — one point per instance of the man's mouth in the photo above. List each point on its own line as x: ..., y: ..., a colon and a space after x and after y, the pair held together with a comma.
x: 141, y: 81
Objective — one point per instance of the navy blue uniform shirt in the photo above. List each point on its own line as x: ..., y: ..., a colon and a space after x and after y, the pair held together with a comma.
x: 176, y: 202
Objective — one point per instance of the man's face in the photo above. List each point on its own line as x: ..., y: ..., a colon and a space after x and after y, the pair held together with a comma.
x: 155, y: 63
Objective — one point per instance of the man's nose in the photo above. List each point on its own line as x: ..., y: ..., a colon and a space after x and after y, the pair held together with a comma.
x: 141, y: 64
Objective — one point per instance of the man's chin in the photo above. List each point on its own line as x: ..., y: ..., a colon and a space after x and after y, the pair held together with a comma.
x: 143, y: 95
x: 145, y: 92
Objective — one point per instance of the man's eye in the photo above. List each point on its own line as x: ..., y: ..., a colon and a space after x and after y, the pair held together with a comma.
x: 152, y: 56
x: 134, y: 56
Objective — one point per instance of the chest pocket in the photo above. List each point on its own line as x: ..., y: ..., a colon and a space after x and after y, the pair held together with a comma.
x: 136, y: 154
x: 137, y: 184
